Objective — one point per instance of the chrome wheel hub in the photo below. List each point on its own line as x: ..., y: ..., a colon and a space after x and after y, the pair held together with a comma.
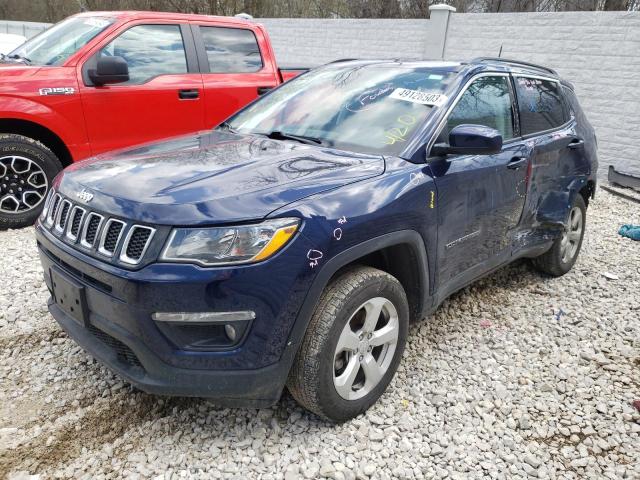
x: 365, y: 348
x: 571, y: 238
x: 23, y: 184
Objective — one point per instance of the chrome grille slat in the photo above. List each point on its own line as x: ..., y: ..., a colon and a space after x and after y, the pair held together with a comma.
x: 75, y: 221
x: 62, y: 215
x: 136, y: 243
x: 109, y: 237
x: 91, y: 229
x: 55, y: 202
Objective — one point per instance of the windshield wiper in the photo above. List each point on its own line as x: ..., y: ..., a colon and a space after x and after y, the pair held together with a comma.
x: 278, y: 135
x: 15, y: 56
x: 227, y: 126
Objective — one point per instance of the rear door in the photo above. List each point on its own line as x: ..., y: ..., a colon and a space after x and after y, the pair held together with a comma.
x: 480, y: 197
x: 163, y: 97
x: 235, y: 70
x: 556, y: 146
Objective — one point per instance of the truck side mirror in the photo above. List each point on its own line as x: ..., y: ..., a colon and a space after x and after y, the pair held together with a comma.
x: 469, y: 139
x: 109, y: 70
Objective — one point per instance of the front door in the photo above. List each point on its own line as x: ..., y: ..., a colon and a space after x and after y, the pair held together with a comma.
x: 480, y: 197
x: 162, y: 98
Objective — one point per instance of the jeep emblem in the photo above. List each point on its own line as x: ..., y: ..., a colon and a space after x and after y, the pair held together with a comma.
x: 84, y: 195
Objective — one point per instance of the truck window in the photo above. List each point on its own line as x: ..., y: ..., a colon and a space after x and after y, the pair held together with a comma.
x: 231, y: 50
x: 540, y: 105
x: 486, y: 102
x: 150, y: 50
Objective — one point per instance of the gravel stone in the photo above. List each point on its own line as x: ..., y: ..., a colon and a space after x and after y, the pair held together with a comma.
x: 516, y: 376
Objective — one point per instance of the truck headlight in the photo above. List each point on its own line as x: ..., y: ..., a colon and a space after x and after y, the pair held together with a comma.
x: 229, y: 245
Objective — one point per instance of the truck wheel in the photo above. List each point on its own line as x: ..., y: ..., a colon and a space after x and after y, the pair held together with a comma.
x: 27, y: 169
x: 352, y: 346
x: 559, y: 259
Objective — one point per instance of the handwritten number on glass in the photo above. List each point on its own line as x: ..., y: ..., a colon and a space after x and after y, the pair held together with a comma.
x: 399, y: 133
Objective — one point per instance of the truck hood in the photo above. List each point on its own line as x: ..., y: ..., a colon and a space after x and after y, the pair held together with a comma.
x: 212, y: 177
x: 15, y: 71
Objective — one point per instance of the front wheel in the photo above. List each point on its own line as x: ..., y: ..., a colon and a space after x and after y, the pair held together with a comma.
x: 562, y: 255
x: 27, y: 169
x: 353, y: 345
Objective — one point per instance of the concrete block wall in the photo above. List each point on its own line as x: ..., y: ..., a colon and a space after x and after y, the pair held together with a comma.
x: 599, y: 52
x: 309, y: 42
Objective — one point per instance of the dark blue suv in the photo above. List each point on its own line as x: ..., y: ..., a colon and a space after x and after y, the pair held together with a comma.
x: 292, y: 245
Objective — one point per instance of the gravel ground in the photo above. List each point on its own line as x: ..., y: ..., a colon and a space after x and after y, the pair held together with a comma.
x: 516, y: 376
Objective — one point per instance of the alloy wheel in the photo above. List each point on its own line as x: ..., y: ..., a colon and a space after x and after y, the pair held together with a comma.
x: 571, y: 238
x: 23, y: 184
x: 365, y: 348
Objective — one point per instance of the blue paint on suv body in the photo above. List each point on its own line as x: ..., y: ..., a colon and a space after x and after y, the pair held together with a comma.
x: 436, y: 223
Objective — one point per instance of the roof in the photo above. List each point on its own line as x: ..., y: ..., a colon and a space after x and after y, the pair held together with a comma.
x: 134, y: 14
x: 501, y: 64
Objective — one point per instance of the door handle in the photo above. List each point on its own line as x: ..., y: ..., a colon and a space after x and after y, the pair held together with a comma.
x: 516, y: 162
x: 263, y: 90
x: 187, y: 94
x: 576, y: 143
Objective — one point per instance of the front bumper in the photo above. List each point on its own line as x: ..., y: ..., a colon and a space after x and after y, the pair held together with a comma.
x: 120, y: 332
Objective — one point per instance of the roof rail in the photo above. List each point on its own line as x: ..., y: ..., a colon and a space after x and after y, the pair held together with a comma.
x: 342, y: 60
x: 513, y: 62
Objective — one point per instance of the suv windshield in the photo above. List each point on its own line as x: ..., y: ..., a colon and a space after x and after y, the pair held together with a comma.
x: 370, y: 108
x: 56, y: 44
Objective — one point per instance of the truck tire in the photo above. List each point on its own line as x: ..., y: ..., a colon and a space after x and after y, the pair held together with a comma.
x: 562, y: 255
x: 27, y: 170
x: 352, y: 346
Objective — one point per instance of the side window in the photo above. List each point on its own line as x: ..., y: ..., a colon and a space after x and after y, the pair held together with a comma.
x: 231, y: 50
x: 540, y: 105
x: 486, y: 102
x: 150, y: 50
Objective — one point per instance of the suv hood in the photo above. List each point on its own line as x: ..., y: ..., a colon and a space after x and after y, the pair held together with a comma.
x: 213, y: 177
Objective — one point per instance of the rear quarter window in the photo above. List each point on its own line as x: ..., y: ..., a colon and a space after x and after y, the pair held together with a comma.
x: 540, y: 105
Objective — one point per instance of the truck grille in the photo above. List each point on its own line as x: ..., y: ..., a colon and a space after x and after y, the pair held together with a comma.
x: 110, y: 237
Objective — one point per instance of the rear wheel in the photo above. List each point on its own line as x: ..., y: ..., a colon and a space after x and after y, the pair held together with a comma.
x: 27, y: 169
x: 562, y: 255
x: 353, y: 345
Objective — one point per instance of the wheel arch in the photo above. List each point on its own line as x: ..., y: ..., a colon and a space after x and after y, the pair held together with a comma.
x: 588, y: 191
x: 392, y: 246
x: 40, y: 133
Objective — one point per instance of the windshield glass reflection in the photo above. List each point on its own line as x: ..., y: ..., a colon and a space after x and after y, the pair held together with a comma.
x: 372, y: 108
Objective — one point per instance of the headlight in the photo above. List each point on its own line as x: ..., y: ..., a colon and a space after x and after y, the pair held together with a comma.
x: 229, y: 245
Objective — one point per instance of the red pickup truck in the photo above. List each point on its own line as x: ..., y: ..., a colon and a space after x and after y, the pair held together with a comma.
x: 105, y: 80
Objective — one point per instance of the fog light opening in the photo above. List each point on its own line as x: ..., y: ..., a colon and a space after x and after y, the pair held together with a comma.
x: 231, y: 332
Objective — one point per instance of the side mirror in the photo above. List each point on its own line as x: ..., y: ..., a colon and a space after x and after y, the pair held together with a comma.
x: 470, y: 140
x: 109, y: 70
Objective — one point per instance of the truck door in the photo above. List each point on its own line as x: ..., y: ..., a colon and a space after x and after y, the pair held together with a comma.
x: 235, y: 70
x: 480, y: 197
x: 163, y: 96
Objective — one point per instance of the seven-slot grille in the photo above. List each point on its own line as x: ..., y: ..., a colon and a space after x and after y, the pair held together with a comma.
x: 94, y: 232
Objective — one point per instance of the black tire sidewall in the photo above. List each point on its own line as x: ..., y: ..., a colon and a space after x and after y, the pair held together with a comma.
x: 44, y: 158
x: 333, y: 404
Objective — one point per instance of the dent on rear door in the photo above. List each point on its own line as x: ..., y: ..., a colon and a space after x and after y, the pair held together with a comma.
x: 558, y: 174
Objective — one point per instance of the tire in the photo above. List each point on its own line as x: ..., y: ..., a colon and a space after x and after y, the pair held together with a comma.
x: 27, y: 169
x: 558, y: 260
x: 319, y: 366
